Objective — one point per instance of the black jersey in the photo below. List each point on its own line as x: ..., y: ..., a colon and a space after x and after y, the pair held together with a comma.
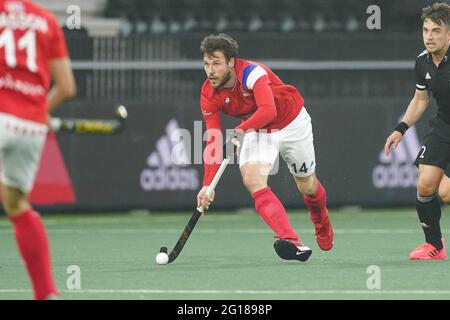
x: 436, y: 80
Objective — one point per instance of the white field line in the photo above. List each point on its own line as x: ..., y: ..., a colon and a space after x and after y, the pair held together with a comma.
x: 221, y: 231
x: 120, y: 221
x: 243, y: 292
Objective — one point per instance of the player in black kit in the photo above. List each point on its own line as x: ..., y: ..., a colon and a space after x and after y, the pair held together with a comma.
x: 432, y: 77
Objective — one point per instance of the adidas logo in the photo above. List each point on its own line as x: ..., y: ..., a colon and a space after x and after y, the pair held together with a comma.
x: 398, y: 170
x: 428, y: 77
x: 168, y: 165
x: 424, y: 225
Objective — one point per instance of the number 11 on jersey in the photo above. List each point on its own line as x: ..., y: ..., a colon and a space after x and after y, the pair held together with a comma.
x: 27, y: 42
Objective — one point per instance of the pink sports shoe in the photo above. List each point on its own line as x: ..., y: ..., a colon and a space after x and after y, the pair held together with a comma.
x: 428, y: 252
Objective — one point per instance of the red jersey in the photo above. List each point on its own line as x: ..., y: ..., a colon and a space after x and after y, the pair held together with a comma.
x: 259, y: 98
x: 30, y: 37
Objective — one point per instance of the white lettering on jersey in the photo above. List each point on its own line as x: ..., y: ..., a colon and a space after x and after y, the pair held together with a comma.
x: 23, y: 21
x: 8, y: 82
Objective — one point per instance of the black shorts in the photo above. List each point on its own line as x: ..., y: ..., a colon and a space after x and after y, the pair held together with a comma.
x: 435, y: 150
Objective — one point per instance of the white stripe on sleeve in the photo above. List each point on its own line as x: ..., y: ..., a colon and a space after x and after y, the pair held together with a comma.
x: 420, y: 87
x: 256, y: 73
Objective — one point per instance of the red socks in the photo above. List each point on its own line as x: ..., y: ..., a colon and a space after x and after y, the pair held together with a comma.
x: 273, y: 213
x: 317, y: 204
x: 32, y: 242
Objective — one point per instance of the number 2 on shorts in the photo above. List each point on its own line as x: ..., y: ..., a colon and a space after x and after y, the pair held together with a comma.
x: 423, y: 148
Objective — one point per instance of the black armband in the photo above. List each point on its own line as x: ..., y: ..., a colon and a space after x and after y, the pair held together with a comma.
x: 402, y: 127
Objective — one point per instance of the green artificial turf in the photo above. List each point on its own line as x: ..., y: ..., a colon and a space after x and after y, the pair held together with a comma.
x: 231, y: 256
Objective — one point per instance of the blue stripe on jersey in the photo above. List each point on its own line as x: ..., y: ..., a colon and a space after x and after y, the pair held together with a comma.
x: 247, y: 70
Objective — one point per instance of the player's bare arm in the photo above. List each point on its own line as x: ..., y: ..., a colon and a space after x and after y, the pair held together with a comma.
x: 414, y: 112
x: 417, y: 107
x: 64, y: 83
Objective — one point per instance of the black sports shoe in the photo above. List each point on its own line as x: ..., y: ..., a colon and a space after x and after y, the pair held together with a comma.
x: 287, y: 250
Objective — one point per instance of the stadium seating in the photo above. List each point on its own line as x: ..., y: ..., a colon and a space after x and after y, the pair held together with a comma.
x: 114, y: 17
x: 178, y: 16
x: 91, y: 15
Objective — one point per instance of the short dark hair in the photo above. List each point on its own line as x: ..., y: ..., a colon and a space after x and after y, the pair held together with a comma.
x: 219, y: 42
x: 438, y: 12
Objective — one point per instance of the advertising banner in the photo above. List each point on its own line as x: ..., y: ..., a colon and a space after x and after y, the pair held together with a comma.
x: 156, y: 162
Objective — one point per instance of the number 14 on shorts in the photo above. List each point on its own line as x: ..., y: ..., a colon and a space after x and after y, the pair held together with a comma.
x: 302, y: 169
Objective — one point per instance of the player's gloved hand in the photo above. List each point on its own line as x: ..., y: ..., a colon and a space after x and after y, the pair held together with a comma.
x: 393, y: 139
x: 203, y: 200
x: 233, y: 142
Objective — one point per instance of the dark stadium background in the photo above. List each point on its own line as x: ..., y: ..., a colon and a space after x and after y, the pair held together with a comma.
x: 145, y: 54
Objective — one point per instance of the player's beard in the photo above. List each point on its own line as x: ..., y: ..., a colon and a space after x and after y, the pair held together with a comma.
x: 225, y: 79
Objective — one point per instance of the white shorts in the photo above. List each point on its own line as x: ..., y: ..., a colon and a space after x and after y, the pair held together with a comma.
x: 294, y: 142
x: 21, y: 144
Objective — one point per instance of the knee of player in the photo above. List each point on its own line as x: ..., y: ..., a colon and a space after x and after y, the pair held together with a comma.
x: 308, y: 191
x: 13, y: 204
x: 307, y: 185
x: 11, y: 207
x: 426, y: 187
x: 444, y: 194
x: 252, y: 183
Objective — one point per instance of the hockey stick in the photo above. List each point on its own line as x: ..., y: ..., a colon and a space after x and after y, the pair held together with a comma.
x: 195, y: 216
x: 91, y: 126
